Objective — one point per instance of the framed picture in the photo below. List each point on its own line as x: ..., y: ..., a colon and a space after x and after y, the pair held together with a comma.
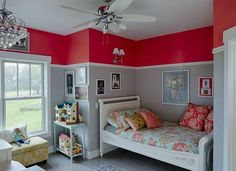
x: 22, y: 46
x: 69, y: 83
x: 81, y: 76
x: 175, y: 87
x: 205, y: 86
x: 100, y: 87
x: 115, y: 81
x: 81, y: 93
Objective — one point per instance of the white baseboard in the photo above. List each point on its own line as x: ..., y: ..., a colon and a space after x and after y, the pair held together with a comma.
x: 92, y: 154
x: 51, y: 149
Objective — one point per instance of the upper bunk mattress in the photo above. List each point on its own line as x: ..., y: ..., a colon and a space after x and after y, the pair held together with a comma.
x: 171, y: 136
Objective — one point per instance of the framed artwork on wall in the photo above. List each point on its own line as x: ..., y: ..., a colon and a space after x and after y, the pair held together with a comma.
x: 69, y: 83
x: 81, y: 93
x: 205, y: 86
x: 115, y: 81
x: 175, y: 87
x: 100, y: 87
x: 81, y: 76
x: 22, y: 46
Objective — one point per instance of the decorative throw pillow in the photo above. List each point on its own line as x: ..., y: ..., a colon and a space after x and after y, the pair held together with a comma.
x: 151, y: 119
x: 209, y: 123
x: 194, y: 116
x: 136, y: 122
x: 118, y: 119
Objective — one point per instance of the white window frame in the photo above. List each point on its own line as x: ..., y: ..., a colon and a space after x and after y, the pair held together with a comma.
x: 29, y: 58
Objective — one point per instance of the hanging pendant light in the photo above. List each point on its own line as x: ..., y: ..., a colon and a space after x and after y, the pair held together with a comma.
x: 12, y: 29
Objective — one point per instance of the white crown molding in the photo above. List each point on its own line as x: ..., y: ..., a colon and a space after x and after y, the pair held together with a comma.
x: 218, y: 49
x: 176, y: 65
x: 130, y: 67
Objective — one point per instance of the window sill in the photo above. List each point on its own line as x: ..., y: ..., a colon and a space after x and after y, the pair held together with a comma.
x: 41, y: 134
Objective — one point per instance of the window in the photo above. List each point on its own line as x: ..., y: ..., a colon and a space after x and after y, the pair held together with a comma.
x: 23, y: 99
x: 25, y: 93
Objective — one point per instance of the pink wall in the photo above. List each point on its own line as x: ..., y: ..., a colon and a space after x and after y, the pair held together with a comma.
x: 190, y: 46
x: 90, y: 46
x: 224, y: 18
x: 100, y: 51
x: 78, y: 47
x: 44, y: 43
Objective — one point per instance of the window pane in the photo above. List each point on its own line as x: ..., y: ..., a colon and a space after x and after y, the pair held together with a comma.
x: 24, y: 111
x: 23, y: 80
x: 36, y: 80
x: 10, y: 79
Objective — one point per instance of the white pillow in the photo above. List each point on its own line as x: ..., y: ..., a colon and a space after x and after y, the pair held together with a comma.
x: 8, y: 134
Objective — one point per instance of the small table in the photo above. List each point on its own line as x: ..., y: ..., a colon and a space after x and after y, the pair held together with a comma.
x: 71, y: 129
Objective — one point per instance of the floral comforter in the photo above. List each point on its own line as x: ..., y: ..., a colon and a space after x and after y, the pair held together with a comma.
x: 170, y: 136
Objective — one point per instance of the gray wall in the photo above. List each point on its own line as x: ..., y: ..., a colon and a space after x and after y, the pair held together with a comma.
x: 128, y: 88
x: 218, y: 111
x: 149, y: 88
x: 57, y: 93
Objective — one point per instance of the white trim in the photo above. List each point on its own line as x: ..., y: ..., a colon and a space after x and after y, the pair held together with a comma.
x: 58, y: 66
x: 176, y: 65
x: 92, y: 154
x: 130, y: 67
x: 23, y: 57
x: 50, y: 149
x: 218, y: 49
x: 229, y: 100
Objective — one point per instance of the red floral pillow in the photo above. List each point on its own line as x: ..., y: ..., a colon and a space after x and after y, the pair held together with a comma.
x: 151, y: 119
x: 209, y: 123
x: 194, y: 116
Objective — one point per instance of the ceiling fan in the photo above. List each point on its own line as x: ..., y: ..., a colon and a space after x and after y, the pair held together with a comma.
x: 110, y: 16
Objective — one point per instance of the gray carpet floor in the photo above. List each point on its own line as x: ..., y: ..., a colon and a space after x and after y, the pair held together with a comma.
x: 119, y: 160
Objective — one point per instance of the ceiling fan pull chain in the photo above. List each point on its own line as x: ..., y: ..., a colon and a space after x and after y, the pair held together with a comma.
x: 107, y: 39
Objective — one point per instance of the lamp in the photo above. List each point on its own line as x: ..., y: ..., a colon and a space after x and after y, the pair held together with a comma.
x: 12, y: 29
x: 119, y: 54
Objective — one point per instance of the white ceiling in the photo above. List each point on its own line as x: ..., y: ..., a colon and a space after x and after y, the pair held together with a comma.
x: 172, y: 15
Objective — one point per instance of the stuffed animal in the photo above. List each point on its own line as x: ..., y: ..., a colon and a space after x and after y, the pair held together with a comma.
x: 20, y: 138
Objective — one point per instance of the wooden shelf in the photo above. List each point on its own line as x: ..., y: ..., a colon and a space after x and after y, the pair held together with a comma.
x: 62, y: 151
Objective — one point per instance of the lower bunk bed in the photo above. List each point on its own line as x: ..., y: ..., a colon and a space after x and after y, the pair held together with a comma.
x: 193, y: 152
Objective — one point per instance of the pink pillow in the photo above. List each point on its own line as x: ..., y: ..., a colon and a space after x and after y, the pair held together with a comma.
x: 209, y: 123
x: 194, y: 116
x: 151, y: 119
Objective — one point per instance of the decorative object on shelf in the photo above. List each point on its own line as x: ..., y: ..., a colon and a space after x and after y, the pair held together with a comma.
x: 12, y: 29
x: 109, y: 16
x: 81, y: 76
x: 119, y: 55
x: 205, y: 86
x: 115, y: 81
x: 69, y: 83
x: 81, y: 93
x: 67, y: 112
x: 64, y: 144
x: 100, y: 87
x: 175, y: 87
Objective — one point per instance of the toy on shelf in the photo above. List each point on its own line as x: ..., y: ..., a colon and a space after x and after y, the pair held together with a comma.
x: 67, y: 112
x: 64, y: 145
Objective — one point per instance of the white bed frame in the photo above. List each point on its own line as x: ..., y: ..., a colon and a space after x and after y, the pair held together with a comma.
x: 110, y: 141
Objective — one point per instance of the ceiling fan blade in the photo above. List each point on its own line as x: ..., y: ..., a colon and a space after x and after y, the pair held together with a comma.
x: 89, y: 24
x: 137, y: 18
x: 120, y: 25
x: 120, y: 5
x: 79, y: 10
x: 114, y: 28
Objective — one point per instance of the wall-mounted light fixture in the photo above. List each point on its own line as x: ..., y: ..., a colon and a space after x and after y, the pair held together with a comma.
x: 119, y: 54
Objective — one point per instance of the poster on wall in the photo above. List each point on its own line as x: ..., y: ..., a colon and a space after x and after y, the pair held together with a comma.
x: 100, y: 87
x: 205, y: 86
x: 81, y: 93
x: 175, y: 87
x: 81, y: 76
x: 115, y: 81
x: 69, y: 83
